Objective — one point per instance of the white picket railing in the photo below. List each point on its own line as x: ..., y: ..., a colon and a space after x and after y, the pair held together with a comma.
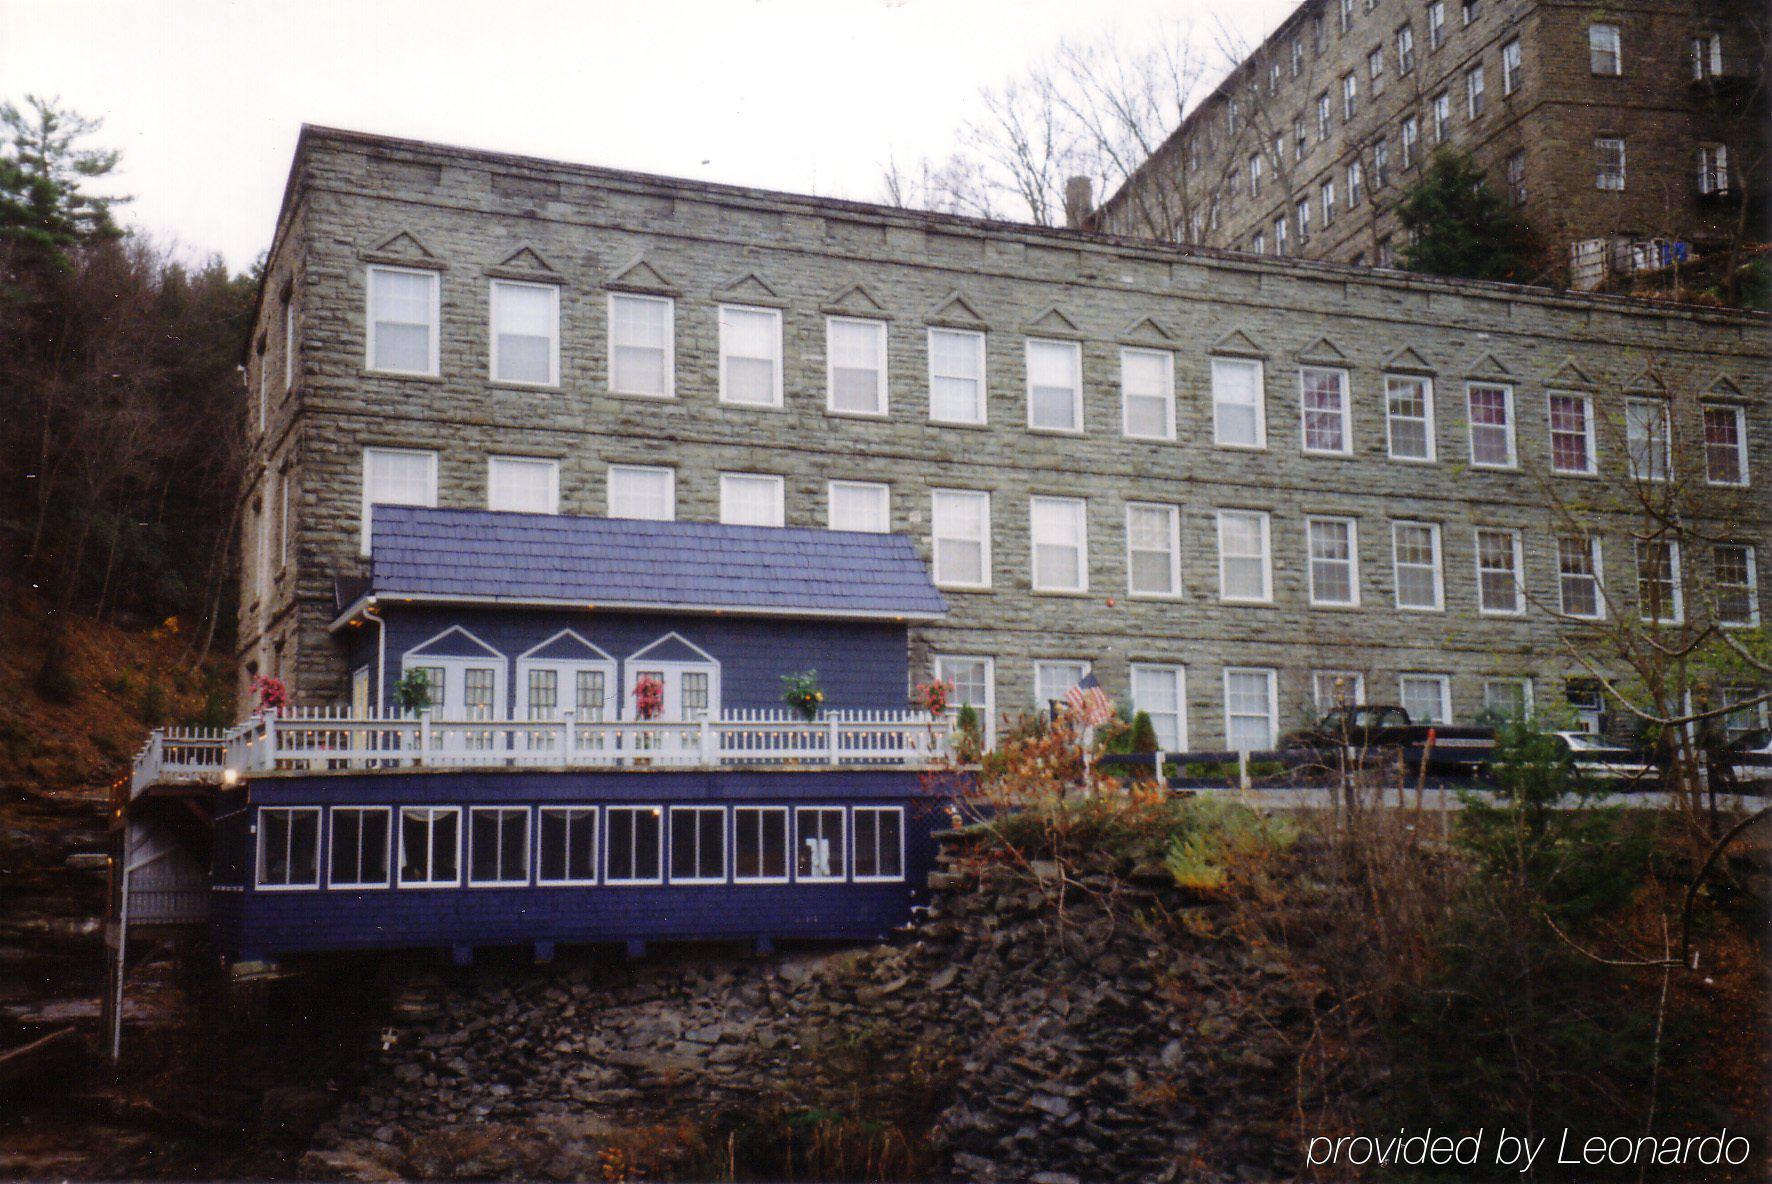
x: 328, y: 738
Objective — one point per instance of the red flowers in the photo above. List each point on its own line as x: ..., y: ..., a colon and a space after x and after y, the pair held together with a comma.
x: 648, y: 697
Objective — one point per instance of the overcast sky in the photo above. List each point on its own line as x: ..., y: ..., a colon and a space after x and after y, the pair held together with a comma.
x: 205, y: 97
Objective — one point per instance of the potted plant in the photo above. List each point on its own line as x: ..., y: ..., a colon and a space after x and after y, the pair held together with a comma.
x: 412, y: 693
x: 800, y: 692
x: 648, y: 704
x: 271, y: 694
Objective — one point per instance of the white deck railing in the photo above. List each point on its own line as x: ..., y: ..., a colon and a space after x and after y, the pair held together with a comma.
x: 333, y: 739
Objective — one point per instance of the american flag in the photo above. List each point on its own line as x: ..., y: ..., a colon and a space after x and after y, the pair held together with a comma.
x: 1088, y: 703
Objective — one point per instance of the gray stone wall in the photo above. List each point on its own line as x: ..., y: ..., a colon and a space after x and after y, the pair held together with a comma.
x: 467, y: 214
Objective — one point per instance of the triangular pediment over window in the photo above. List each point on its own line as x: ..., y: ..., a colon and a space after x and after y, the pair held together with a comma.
x: 1725, y: 387
x: 1647, y: 382
x: 854, y: 300
x: 567, y: 646
x: 1052, y: 322
x: 957, y: 311
x: 1489, y: 366
x: 672, y: 647
x: 526, y: 259
x: 638, y: 275
x: 750, y: 288
x: 1238, y: 343
x: 1407, y: 361
x: 402, y: 248
x: 454, y: 642
x: 1569, y: 374
x: 1322, y: 350
x: 1147, y: 329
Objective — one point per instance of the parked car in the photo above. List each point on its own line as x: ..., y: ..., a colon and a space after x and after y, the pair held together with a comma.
x: 1601, y: 759
x: 1751, y: 754
x: 1386, y: 725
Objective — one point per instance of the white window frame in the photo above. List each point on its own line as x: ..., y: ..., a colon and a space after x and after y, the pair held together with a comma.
x: 387, y: 846
x: 728, y: 495
x: 1753, y: 586
x: 1596, y: 46
x: 774, y: 314
x: 1353, y: 559
x: 528, y: 845
x: 670, y: 476
x: 1590, y: 447
x: 787, y: 841
x: 493, y: 300
x: 981, y: 407
x: 1527, y: 705
x: 435, y: 327
x: 936, y: 499
x: 1513, y: 67
x: 430, y: 476
x: 1741, y: 452
x: 1426, y: 419
x: 725, y: 845
x: 1344, y: 413
x: 568, y: 880
x: 1518, y: 553
x: 1048, y: 671
x: 1595, y: 553
x: 455, y: 669
x: 288, y: 345
x: 569, y: 668
x: 1605, y: 181
x: 1475, y: 94
x: 1511, y: 427
x: 1259, y: 404
x: 1444, y: 683
x: 880, y: 409
x: 842, y: 839
x: 670, y: 344
x: 1267, y: 557
x: 1664, y: 424
x: 1166, y: 396
x: 1273, y: 703
x: 1676, y: 583
x: 1072, y: 505
x: 988, y: 711
x: 1173, y: 535
x: 657, y: 811
x: 321, y: 854
x: 854, y: 848
x: 1433, y: 529
x: 1075, y: 350
x: 874, y: 488
x: 400, y: 848
x: 1323, y: 689
x: 553, y: 471
x: 1175, y: 672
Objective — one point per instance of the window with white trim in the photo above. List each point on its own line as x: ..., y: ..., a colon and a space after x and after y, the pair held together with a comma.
x: 396, y: 477
x: 430, y: 846
x: 855, y: 382
x: 1512, y: 68
x: 1350, y: 97
x: 1239, y: 414
x: 1605, y: 55
x: 1659, y: 595
x: 1725, y: 444
x: 1160, y: 692
x: 1492, y: 425
x: 864, y: 506
x: 1405, y: 49
x: 1648, y: 439
x: 1409, y: 140
x: 568, y: 847
x: 358, y: 855
x: 1324, y: 407
x: 402, y: 315
x: 1059, y: 531
x: 1578, y: 577
x: 1509, y: 698
x: 641, y: 345
x: 523, y: 484
x: 1323, y: 117
x: 1707, y: 56
x: 1245, y: 572
x: 1609, y: 163
x: 1436, y: 24
x: 1055, y: 385
x: 1333, y: 546
x: 1442, y: 117
x: 1713, y: 168
x: 1327, y: 192
x: 1409, y: 417
x: 1415, y: 561
x: 698, y: 845
x: 1251, y: 712
x: 642, y: 491
x: 1426, y: 697
x: 498, y: 845
x: 1356, y: 178
x: 760, y: 844
x: 956, y: 376
x: 752, y: 499
x: 1147, y: 393
x: 879, y: 842
x: 960, y: 530
x: 1153, y: 549
x: 750, y: 356
x: 1742, y: 720
x: 634, y: 854
x: 1474, y: 97
x: 288, y: 847
x: 1737, y: 587
x: 525, y: 333
x: 1332, y: 689
x: 1054, y: 678
x: 1500, y: 586
x: 1571, y: 433
x: 818, y: 846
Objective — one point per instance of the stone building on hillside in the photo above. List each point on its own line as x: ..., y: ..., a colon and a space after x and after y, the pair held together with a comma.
x: 1628, y: 136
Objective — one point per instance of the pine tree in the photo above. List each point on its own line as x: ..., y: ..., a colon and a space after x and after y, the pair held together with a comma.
x: 1459, y: 226
x: 43, y: 170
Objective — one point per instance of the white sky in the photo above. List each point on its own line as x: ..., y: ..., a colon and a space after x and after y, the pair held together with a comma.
x: 205, y: 97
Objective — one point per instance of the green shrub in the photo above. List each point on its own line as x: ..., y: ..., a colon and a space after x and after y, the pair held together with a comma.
x: 412, y: 692
x: 1144, y: 734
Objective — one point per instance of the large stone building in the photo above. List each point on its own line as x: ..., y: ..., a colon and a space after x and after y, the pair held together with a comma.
x: 1217, y: 480
x: 1619, y: 131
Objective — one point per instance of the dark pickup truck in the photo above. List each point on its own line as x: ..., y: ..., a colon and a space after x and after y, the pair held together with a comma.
x: 1378, y: 726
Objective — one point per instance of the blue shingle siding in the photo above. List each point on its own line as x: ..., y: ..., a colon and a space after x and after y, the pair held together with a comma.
x: 479, y: 554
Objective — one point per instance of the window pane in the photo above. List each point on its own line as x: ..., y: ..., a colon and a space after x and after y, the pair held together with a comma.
x: 401, y: 306
x: 1151, y: 548
x: 1156, y: 691
x: 1498, y: 577
x: 1571, y: 450
x: 956, y: 376
x: 1325, y: 403
x: 1416, y: 553
x: 858, y: 365
x: 820, y: 850
x: 858, y: 506
x: 1577, y: 577
x: 1236, y: 402
x: 1249, y: 723
x: 750, y: 350
x: 522, y: 486
x: 1406, y: 411
x: 1059, y: 535
x: 1424, y: 699
x: 1491, y: 426
x: 1725, y: 458
x: 524, y: 327
x: 961, y: 530
x: 1332, y: 560
x: 639, y: 345
x: 642, y: 493
x: 1146, y: 388
x: 1053, y: 385
x: 1242, y: 549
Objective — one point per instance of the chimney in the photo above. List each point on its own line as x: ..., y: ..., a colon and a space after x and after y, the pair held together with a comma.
x: 1079, y: 202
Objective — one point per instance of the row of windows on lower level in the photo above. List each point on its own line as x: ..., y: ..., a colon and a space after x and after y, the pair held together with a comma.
x: 576, y: 845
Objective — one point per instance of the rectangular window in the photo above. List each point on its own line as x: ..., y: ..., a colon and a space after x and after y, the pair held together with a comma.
x: 1060, y: 533
x: 525, y: 333
x: 1514, y: 169
x: 1411, y: 141
x: 879, y: 842
x: 522, y: 485
x: 1327, y: 193
x: 1470, y: 9
x: 543, y: 692
x: 1331, y: 689
x: 1334, y: 560
x: 956, y: 376
x: 750, y: 356
x: 396, y: 477
x: 698, y: 845
x: 1426, y: 697
x: 1747, y: 719
x: 1707, y: 56
x: 1250, y: 709
x: 1161, y: 693
x: 752, y: 499
x: 1492, y: 425
x: 1578, y: 577
x: 1409, y: 417
x: 1658, y: 581
x: 359, y: 853
x: 1648, y: 441
x: 1415, y: 558
x: 760, y: 844
x: 1280, y: 246
x: 856, y: 381
x: 1738, y: 601
x: 1301, y: 213
x: 1375, y: 69
x: 1258, y: 244
x: 1323, y: 116
x: 859, y: 505
x: 1350, y: 97
x: 592, y: 701
x: 960, y: 526
x: 1571, y: 433
x: 1405, y: 49
x: 640, y: 491
x: 1442, y: 117
x: 1713, y: 168
x: 288, y: 847
x: 1239, y: 417
x: 635, y: 848
x: 1604, y: 54
x: 1609, y: 163
x: 1244, y: 571
x: 818, y: 851
x: 1725, y: 445
x: 1474, y: 97
x: 974, y: 685
x: 1381, y: 165
x: 403, y: 316
x: 1512, y: 69
x: 1153, y: 550
x: 1147, y: 394
x: 288, y: 345
x: 430, y: 846
x: 1054, y: 679
x: 498, y: 845
x: 568, y: 845
x: 1436, y: 24
x: 1508, y: 698
x: 641, y: 346
x: 1324, y: 404
x: 1055, y: 386
x: 1255, y: 175
x: 1356, y: 176
x: 1500, y: 587
x: 1345, y: 12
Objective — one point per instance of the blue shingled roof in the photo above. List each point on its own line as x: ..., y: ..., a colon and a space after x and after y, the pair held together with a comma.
x: 479, y: 555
